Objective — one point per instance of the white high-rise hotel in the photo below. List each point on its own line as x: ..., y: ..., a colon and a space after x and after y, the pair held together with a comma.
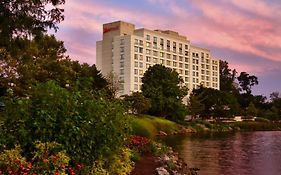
x: 128, y: 52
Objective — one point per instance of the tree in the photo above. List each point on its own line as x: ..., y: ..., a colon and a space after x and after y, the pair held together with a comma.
x: 163, y: 87
x: 196, y: 106
x: 137, y: 102
x: 251, y: 110
x: 217, y: 103
x: 274, y: 96
x: 246, y: 82
x: 21, y: 19
x: 227, y: 77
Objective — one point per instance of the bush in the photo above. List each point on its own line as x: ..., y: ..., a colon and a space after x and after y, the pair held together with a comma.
x: 87, y: 125
x: 48, y: 158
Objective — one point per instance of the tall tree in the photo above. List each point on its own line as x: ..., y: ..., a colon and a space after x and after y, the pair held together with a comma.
x: 21, y: 19
x: 246, y: 82
x: 227, y: 77
x: 163, y: 87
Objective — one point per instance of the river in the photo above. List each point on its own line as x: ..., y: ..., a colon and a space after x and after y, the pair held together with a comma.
x: 240, y: 153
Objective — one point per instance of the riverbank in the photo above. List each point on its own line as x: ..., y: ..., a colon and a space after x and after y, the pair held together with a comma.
x: 154, y: 127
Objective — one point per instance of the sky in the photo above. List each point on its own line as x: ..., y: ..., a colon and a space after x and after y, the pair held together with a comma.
x: 245, y: 33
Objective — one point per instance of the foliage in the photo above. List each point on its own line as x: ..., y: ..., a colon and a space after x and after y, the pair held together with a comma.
x: 162, y: 86
x: 48, y: 158
x: 149, y: 126
x: 227, y: 77
x: 27, y: 18
x: 70, y: 118
x: 195, y: 105
x: 137, y: 102
x: 246, y: 82
x: 217, y: 103
x: 118, y: 164
x: 252, y: 110
x: 43, y: 59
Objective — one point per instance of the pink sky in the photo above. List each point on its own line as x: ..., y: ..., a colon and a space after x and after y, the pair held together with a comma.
x: 246, y: 33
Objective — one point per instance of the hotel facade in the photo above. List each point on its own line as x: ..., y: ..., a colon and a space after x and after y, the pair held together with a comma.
x: 128, y: 53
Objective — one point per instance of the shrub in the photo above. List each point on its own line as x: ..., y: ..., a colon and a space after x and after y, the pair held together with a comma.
x: 87, y: 125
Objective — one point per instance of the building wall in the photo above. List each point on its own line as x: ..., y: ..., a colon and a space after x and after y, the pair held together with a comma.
x: 129, y: 53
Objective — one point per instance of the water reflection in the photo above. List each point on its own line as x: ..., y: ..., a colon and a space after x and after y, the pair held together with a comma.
x: 241, y: 153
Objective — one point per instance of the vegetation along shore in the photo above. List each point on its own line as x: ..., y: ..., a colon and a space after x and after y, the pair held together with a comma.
x: 59, y: 116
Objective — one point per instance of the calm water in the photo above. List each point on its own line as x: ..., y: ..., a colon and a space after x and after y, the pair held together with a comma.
x: 245, y: 153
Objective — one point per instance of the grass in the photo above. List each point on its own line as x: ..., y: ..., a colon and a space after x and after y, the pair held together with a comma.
x: 149, y: 126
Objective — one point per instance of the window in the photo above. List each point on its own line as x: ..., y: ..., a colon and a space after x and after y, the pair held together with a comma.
x: 174, y: 57
x: 136, y: 41
x: 121, y: 71
x: 207, y: 61
x: 161, y: 41
x: 121, y: 49
x: 202, y: 71
x: 155, y: 53
x: 140, y: 64
x: 186, y: 72
x: 193, y: 73
x: 121, y: 79
x: 155, y: 39
x: 168, y: 56
x: 136, y: 49
x: 193, y: 54
x: 180, y: 58
x: 207, y: 66
x: 141, y: 72
x: 186, y: 66
x: 186, y: 59
x: 136, y: 56
x: 136, y: 71
x: 136, y: 64
x: 147, y: 66
x: 147, y: 37
x: 186, y: 47
x: 141, y: 50
x: 186, y: 79
x: 168, y: 63
x: 141, y: 42
x: 136, y: 79
x: 174, y: 64
x: 148, y: 44
x: 121, y: 64
x: 154, y: 60
x: 180, y: 65
x: 140, y: 57
x: 162, y: 61
x: 186, y: 53
x: 203, y: 77
x: 122, y: 57
x: 147, y: 59
x: 162, y: 54
x: 203, y: 66
x: 148, y: 51
x: 168, y: 45
x: 136, y: 87
x: 197, y: 67
x: 180, y: 71
x: 193, y: 67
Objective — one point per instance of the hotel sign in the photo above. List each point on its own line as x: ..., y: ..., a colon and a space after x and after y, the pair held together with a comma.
x: 109, y: 29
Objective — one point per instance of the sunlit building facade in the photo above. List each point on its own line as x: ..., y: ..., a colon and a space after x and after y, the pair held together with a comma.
x: 128, y: 52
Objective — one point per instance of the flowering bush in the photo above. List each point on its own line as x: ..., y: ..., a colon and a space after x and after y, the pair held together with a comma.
x: 46, y: 160
x: 138, y: 141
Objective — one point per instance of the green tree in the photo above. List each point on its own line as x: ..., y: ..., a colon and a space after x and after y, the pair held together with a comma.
x: 43, y: 59
x: 227, y: 77
x: 251, y: 110
x: 246, y: 82
x: 196, y: 107
x: 163, y: 87
x: 87, y: 125
x: 217, y: 103
x: 21, y: 19
x: 137, y: 102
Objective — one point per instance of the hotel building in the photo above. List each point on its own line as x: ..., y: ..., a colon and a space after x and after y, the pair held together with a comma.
x: 129, y: 52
